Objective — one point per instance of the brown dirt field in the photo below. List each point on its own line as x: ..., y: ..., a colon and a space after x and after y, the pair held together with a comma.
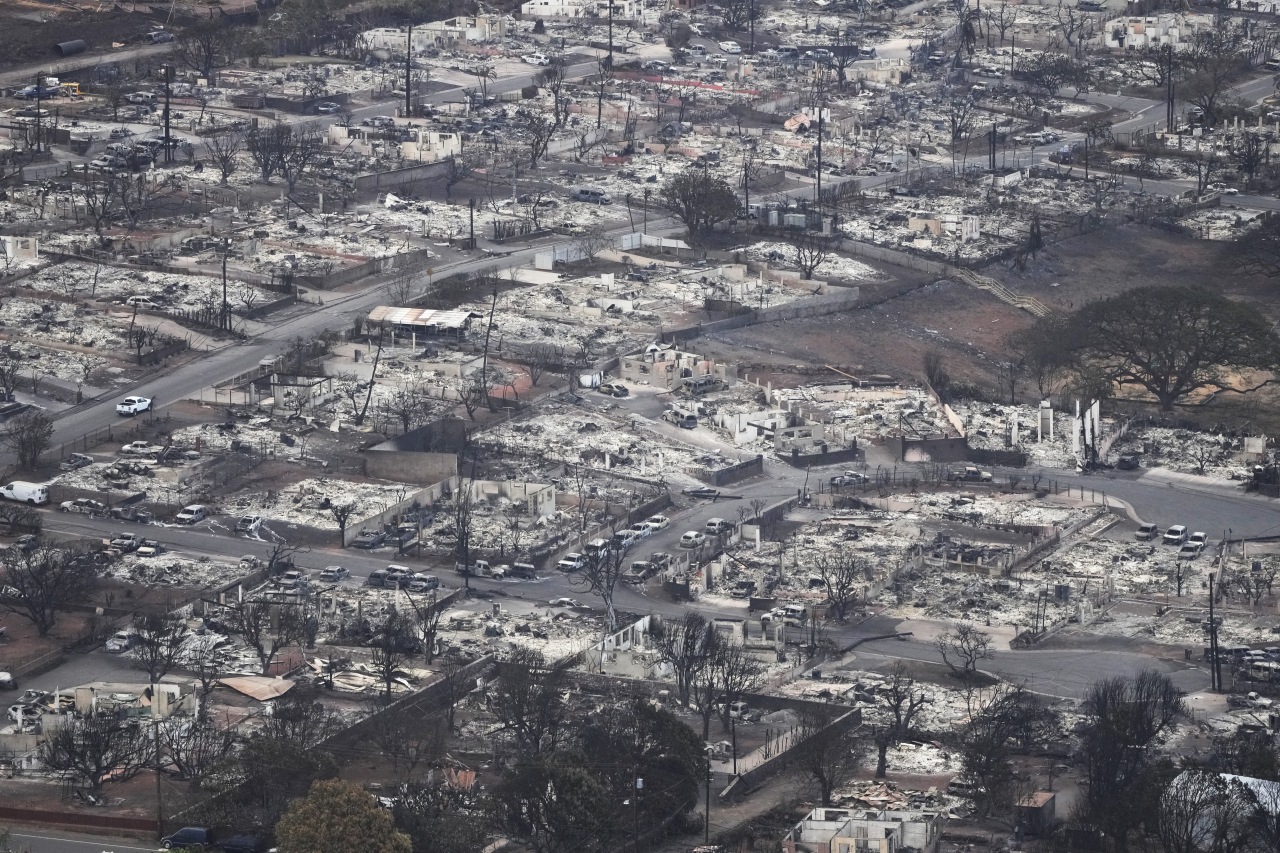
x: 24, y: 643
x: 967, y: 325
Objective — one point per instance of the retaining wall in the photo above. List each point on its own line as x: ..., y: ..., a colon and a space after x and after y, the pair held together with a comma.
x: 734, y: 474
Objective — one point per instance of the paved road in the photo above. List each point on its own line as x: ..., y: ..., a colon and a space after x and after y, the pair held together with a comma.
x: 53, y: 841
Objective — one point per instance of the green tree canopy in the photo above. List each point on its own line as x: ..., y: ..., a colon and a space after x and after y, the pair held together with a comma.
x: 1172, y: 342
x: 338, y: 817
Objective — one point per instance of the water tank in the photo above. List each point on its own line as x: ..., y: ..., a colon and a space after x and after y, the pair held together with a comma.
x: 71, y: 48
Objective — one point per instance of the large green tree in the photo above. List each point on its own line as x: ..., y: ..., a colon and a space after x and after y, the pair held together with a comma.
x: 1172, y: 342
x: 338, y: 817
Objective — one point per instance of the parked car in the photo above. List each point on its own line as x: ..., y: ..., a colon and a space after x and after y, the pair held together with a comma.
x: 29, y: 493
x: 640, y: 571
x: 193, y: 514
x: 293, y: 579
x: 142, y: 302
x: 328, y: 108
x: 140, y: 448
x: 369, y: 539
x: 717, y: 526
x: 150, y: 548
x: 844, y: 480
x: 571, y: 562
x: 591, y: 195
x: 19, y: 712
x: 333, y: 574
x: 731, y: 47
x: 1147, y: 532
x: 692, y: 539
x: 107, y: 163
x: 243, y: 844
x: 88, y: 506
x: 565, y: 602
x: 1199, y: 538
x: 133, y: 405
x: 249, y: 524
x: 702, y: 492
x: 641, y: 530
x: 1127, y: 462
x: 120, y: 642
x: 126, y: 541
x: 420, y: 582
x: 1175, y: 535
x: 658, y: 522
x: 7, y: 681
x: 537, y: 59
x: 1190, y: 550
x: 121, y: 133
x: 75, y: 461
x: 188, y: 836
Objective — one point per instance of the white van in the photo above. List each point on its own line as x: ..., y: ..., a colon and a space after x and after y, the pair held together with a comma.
x: 31, y: 493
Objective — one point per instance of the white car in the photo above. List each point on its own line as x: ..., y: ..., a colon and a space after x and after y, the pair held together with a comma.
x: 133, y: 405
x: 693, y: 539
x: 571, y: 562
x: 658, y: 522
x: 141, y: 447
x: 192, y: 514
x: 730, y: 47
x: 565, y: 602
x: 537, y: 59
x: 641, y: 530
x: 249, y: 525
x: 329, y: 108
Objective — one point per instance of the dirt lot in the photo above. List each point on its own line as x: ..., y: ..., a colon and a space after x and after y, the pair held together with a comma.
x: 969, y: 326
x: 31, y: 29
x: 965, y: 324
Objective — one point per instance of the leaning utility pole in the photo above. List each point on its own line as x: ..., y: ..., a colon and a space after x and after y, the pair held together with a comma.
x: 168, y: 81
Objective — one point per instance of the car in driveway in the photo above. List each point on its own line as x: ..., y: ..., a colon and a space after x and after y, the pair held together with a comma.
x: 328, y: 108
x: 369, y: 539
x: 75, y: 461
x: 730, y: 47
x: 249, y: 525
x: 88, y: 506
x: 133, y: 406
x: 141, y: 447
x: 1176, y: 535
x: 692, y: 539
x: 1190, y: 550
x: 1127, y: 462
x: 333, y: 574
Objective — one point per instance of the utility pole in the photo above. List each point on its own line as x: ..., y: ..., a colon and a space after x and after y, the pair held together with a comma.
x: 408, y: 74
x: 646, y: 210
x: 155, y: 734
x: 610, y: 59
x: 752, y: 20
x: 1216, y: 672
x: 168, y: 79
x: 37, y: 113
x: 472, y: 205
x: 226, y: 249
x: 1168, y: 84
x: 818, y: 186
